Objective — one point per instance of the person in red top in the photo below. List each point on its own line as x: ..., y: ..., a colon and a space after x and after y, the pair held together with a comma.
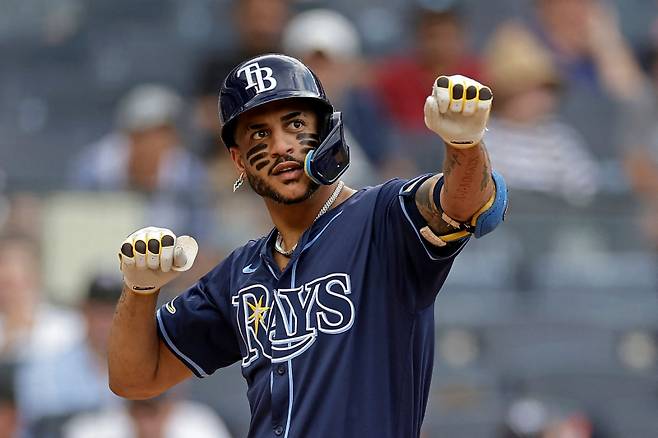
x: 441, y: 46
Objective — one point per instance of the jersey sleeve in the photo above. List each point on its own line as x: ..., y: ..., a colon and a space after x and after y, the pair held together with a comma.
x: 196, y: 325
x: 420, y: 267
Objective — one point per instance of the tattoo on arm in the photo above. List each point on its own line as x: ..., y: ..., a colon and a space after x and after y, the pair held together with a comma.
x: 450, y: 162
x: 486, y: 176
x: 431, y: 213
x: 486, y: 172
x: 464, y: 186
x: 474, y: 172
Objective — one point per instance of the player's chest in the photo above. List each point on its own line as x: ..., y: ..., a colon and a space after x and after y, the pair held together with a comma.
x: 281, y: 314
x: 279, y: 319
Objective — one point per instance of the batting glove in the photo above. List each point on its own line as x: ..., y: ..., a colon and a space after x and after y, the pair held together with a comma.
x: 152, y: 257
x: 458, y: 110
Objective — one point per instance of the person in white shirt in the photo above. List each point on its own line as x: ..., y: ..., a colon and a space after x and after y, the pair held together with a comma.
x: 535, y: 150
x: 160, y: 417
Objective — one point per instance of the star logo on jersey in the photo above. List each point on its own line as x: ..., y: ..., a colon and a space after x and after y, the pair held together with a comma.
x: 257, y: 316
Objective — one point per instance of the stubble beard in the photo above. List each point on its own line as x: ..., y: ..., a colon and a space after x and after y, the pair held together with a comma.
x: 262, y: 188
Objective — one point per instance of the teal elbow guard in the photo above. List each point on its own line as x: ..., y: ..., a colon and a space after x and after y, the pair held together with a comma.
x: 483, y: 221
x: 493, y: 212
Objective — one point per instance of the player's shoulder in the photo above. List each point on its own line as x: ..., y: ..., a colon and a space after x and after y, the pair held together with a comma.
x: 393, y: 188
x: 385, y: 186
x: 380, y: 196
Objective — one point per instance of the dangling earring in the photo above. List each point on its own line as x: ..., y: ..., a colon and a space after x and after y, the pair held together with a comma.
x: 238, y: 182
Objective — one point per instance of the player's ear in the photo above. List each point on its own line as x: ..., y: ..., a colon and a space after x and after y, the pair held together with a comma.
x: 237, y: 159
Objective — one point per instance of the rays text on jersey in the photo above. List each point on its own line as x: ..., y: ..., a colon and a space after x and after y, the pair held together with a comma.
x: 292, y: 319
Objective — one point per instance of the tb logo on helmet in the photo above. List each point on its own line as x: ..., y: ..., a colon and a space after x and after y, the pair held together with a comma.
x: 256, y: 77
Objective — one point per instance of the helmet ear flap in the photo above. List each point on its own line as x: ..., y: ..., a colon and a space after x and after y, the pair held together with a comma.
x: 331, y: 159
x: 335, y: 120
x: 327, y: 120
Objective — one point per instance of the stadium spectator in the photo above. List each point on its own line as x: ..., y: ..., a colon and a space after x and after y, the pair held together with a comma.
x: 144, y: 154
x: 535, y: 150
x: 72, y: 386
x: 329, y: 44
x: 587, y: 45
x: 160, y: 417
x: 590, y: 52
x: 258, y: 25
x: 53, y: 388
x: 31, y: 329
x: 441, y: 48
x: 29, y: 326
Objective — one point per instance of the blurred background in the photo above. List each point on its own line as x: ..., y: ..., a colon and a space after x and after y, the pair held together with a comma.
x: 108, y: 123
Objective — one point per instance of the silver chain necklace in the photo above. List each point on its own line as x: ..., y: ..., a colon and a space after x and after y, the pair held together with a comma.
x: 278, y: 243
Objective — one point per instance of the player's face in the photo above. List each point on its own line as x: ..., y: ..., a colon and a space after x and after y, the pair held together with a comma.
x: 273, y: 141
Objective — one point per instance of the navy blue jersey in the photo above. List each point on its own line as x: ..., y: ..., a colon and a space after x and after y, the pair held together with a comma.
x: 339, y: 344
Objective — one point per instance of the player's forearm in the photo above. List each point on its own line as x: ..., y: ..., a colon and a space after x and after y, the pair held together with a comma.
x: 133, y: 349
x: 467, y: 181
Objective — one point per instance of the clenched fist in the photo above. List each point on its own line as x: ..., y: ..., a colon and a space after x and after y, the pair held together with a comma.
x: 152, y: 257
x: 458, y: 110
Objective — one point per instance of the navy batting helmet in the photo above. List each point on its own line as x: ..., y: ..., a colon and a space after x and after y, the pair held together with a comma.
x: 273, y: 77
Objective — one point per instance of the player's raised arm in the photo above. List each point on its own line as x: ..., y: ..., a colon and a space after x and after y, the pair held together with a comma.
x: 139, y: 365
x: 468, y: 198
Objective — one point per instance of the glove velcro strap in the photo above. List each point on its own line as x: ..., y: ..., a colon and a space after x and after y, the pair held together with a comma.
x: 139, y: 290
x: 463, y: 144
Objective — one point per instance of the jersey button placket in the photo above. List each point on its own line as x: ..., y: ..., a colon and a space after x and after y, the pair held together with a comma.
x: 279, y: 383
x: 281, y: 369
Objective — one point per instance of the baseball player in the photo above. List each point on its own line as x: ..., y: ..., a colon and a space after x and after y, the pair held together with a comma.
x: 331, y: 314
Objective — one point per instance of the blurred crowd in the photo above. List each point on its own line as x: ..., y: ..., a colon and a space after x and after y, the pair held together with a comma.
x: 574, y: 130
